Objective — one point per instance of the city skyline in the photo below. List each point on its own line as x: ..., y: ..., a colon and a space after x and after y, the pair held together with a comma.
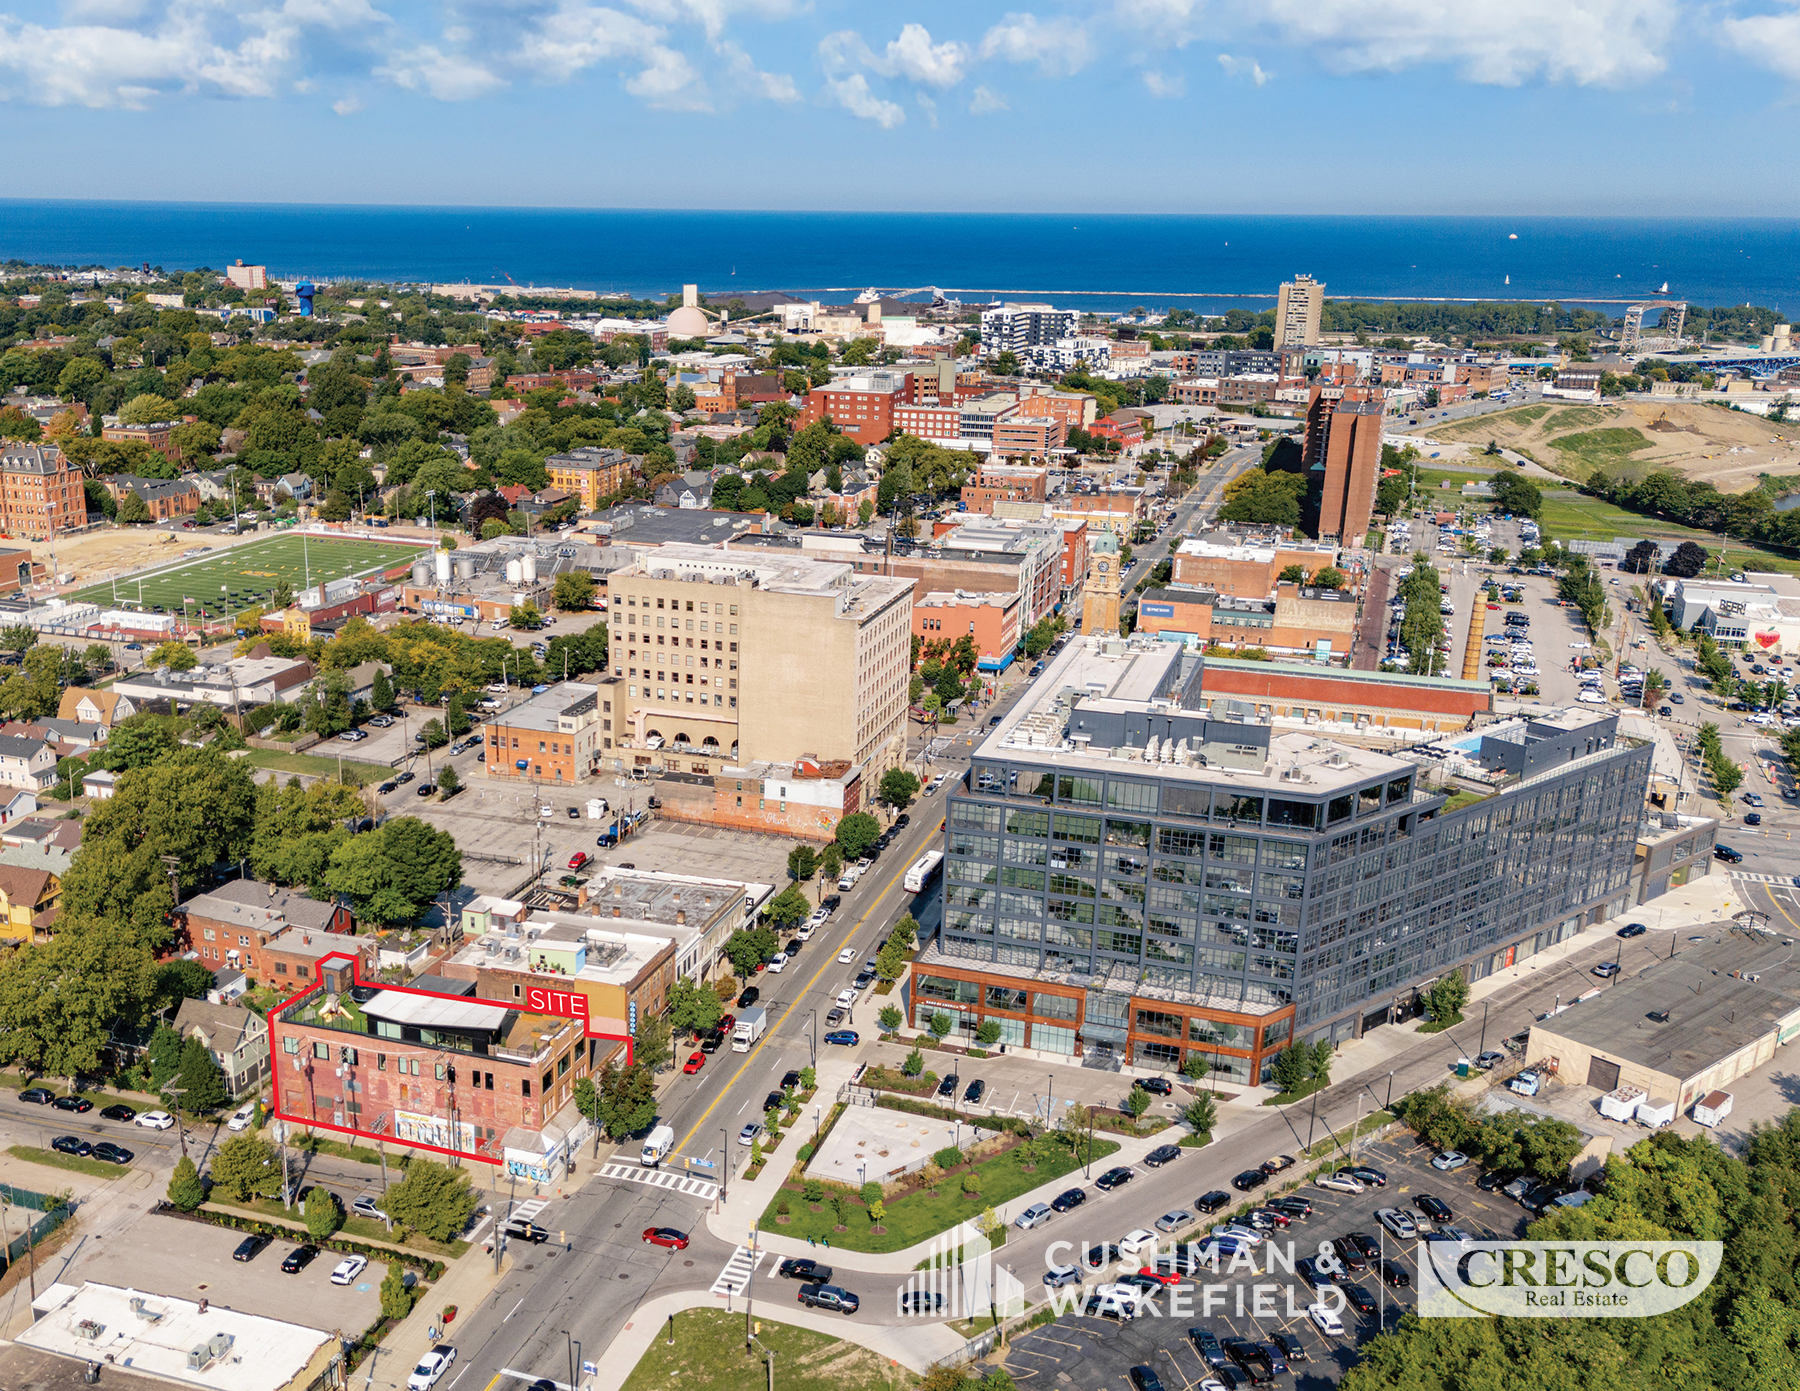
x: 573, y: 104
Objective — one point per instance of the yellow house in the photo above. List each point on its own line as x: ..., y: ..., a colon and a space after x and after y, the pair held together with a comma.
x: 29, y: 900
x: 94, y: 707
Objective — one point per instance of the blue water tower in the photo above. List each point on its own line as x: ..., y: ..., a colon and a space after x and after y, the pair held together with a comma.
x: 303, y: 292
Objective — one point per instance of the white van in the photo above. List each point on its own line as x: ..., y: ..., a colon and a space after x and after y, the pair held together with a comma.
x: 657, y: 1147
x: 501, y: 623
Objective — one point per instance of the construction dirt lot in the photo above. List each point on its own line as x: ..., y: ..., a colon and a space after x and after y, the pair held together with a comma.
x: 94, y: 556
x: 1726, y: 448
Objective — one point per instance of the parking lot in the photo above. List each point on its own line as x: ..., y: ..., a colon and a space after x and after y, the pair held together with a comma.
x: 1094, y: 1353
x: 192, y: 1260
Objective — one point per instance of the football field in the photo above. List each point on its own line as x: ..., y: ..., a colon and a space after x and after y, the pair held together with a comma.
x: 242, y: 577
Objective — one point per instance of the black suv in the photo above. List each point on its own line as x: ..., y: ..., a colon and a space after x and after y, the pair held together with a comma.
x: 1064, y: 1202
x: 1210, y: 1203
x: 1250, y: 1178
x: 829, y: 1297
x: 1293, y: 1207
x: 947, y: 1085
x: 1206, y: 1343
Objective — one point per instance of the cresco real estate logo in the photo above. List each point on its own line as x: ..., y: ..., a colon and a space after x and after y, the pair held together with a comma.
x: 1562, y: 1279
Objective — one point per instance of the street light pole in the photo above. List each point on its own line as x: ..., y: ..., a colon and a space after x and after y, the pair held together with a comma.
x: 1486, y: 1006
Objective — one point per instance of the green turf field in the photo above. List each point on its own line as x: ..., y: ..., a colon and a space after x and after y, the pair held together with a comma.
x: 248, y: 573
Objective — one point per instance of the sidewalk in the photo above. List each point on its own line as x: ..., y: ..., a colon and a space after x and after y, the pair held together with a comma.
x: 914, y: 1346
x: 465, y: 1284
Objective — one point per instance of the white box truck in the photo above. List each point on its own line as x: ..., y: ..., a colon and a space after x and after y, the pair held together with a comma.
x: 657, y: 1147
x: 750, y: 1027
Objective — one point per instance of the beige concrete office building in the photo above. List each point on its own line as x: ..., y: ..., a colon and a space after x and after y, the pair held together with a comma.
x: 1298, y: 310
x: 726, y: 659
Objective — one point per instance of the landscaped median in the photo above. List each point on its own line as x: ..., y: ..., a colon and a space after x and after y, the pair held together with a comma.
x: 74, y: 1163
x: 708, y: 1354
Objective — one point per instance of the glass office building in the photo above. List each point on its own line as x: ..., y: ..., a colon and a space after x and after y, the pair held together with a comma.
x: 1134, y: 874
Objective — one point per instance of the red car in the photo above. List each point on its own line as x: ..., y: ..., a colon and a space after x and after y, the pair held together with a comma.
x: 727, y: 1022
x: 1162, y: 1277
x: 666, y: 1236
x: 578, y: 859
x: 695, y: 1062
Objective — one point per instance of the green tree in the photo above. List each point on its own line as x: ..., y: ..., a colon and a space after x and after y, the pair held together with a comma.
x: 246, y: 1167
x: 890, y: 1018
x: 60, y: 1000
x: 650, y: 1045
x: 390, y: 874
x: 694, y: 1007
x: 788, y: 909
x: 17, y: 637
x: 1195, y: 1067
x: 323, y: 1215
x: 202, y: 1082
x: 898, y: 789
x: 627, y: 1099
x: 913, y: 1064
x: 456, y: 719
x: 447, y: 780
x: 176, y: 656
x: 831, y: 865
x: 132, y: 511
x: 163, y: 1055
x: 574, y: 591
x: 1137, y: 1101
x: 1292, y: 1066
x: 1329, y: 577
x: 381, y: 693
x: 989, y: 1033
x: 1201, y: 1114
x: 1446, y: 998
x: 1293, y: 574
x: 857, y: 834
x: 940, y: 1024
x: 396, y: 1296
x: 186, y: 1191
x: 802, y: 863
x: 890, y: 961
x: 433, y: 1199
x: 748, y: 947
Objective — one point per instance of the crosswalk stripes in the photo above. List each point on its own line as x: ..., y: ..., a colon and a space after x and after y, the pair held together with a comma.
x: 1751, y: 878
x: 662, y: 1178
x: 526, y: 1211
x: 738, y: 1270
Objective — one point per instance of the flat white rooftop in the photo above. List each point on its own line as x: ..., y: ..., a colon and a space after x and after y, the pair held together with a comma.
x: 154, y: 1334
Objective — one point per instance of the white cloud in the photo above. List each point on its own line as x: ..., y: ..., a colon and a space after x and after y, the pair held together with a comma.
x: 913, y: 55
x: 577, y: 36
x: 713, y: 15
x: 446, y: 76
x: 853, y: 94
x: 193, y: 48
x: 985, y: 101
x: 1059, y: 47
x: 743, y: 74
x: 1244, y: 67
x: 1589, y: 42
x: 1769, y: 40
x: 670, y: 83
x: 928, y: 106
x: 347, y: 106
x: 1163, y: 22
x: 1159, y: 86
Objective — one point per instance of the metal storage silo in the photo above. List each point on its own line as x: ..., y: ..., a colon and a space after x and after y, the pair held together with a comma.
x: 515, y: 572
x: 530, y: 567
x: 465, y: 565
x: 442, y: 562
x: 421, y: 571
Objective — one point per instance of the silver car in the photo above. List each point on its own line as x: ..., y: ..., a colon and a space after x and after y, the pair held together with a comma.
x: 1398, y: 1222
x: 1175, y: 1221
x: 1033, y: 1216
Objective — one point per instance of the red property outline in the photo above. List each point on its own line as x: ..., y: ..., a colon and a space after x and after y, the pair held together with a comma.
x: 355, y: 964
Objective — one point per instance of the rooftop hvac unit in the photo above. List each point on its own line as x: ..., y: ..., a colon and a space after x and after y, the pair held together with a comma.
x: 90, y: 1330
x: 220, y: 1344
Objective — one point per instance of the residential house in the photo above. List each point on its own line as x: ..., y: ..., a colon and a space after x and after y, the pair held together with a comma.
x: 27, y: 763
x: 238, y: 1039
x: 234, y: 924
x: 84, y: 706
x: 29, y: 901
x: 100, y: 785
x: 18, y: 805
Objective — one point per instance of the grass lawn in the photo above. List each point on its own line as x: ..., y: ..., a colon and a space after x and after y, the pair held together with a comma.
x: 918, y: 1215
x: 356, y: 774
x: 1299, y: 1094
x: 242, y: 577
x: 1483, y: 425
x: 709, y: 1355
x: 1572, y: 516
x: 94, y: 1168
x: 1584, y: 451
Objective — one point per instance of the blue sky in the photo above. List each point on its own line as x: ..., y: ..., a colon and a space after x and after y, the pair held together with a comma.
x: 1430, y: 106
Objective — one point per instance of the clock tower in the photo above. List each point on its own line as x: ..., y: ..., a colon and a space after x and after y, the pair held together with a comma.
x: 1100, y: 595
